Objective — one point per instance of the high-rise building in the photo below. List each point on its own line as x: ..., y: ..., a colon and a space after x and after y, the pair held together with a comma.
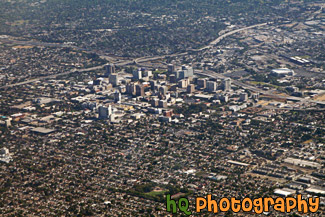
x: 226, y: 84
x: 137, y: 74
x: 201, y: 83
x: 154, y: 102
x: 153, y: 85
x: 172, y: 79
x: 163, y: 90
x: 223, y: 98
x: 189, y: 71
x: 162, y: 104
x: 114, y: 79
x: 171, y: 68
x: 147, y: 73
x: 104, y: 112
x: 182, y: 74
x: 177, y: 75
x: 139, y: 90
x: 243, y: 97
x: 211, y: 86
x: 186, y: 72
x: 117, y: 97
x: 183, y: 83
x: 190, y: 88
x: 97, y: 82
x: 130, y: 88
x: 110, y: 69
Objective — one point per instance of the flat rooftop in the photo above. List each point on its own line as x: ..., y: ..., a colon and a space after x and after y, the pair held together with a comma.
x: 42, y: 130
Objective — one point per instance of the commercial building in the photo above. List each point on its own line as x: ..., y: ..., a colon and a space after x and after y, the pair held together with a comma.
x: 190, y: 88
x: 139, y: 90
x: 163, y: 90
x: 114, y: 79
x: 183, y: 83
x: 171, y: 68
x: 104, y: 112
x: 117, y: 97
x: 130, y: 88
x: 211, y: 86
x: 202, y: 83
x: 137, y: 75
x: 109, y: 69
x: 282, y: 72
x: 243, y: 97
x: 226, y: 84
x: 162, y: 104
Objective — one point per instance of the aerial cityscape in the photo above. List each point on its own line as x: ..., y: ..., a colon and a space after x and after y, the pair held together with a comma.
x: 113, y: 107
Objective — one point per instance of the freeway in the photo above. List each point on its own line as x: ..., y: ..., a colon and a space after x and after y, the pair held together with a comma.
x: 51, y: 76
x: 119, y: 63
x: 216, y: 41
x: 257, y: 90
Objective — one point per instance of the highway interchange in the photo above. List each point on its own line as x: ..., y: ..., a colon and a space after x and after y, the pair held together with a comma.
x: 146, y: 59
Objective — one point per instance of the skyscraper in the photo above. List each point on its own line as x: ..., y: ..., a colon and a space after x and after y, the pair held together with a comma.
x: 117, y: 97
x: 172, y: 79
x: 110, y: 69
x: 243, y: 97
x: 171, y: 68
x: 153, y: 85
x: 190, y: 88
x: 163, y: 90
x: 211, y: 86
x: 139, y: 89
x: 104, y: 112
x: 137, y: 74
x: 226, y: 84
x: 202, y: 83
x: 162, y: 104
x: 114, y: 79
x: 154, y: 102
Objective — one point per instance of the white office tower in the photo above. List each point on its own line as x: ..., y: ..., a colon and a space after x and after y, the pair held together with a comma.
x: 186, y: 72
x: 211, y: 86
x: 104, y: 112
x: 243, y: 97
x: 189, y: 71
x: 110, y: 69
x: 114, y: 79
x: 226, y: 84
x: 137, y: 75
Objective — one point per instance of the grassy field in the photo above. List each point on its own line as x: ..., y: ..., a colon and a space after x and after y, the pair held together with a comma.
x: 156, y: 193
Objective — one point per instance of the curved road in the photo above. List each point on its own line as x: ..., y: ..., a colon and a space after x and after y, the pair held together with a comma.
x: 126, y: 62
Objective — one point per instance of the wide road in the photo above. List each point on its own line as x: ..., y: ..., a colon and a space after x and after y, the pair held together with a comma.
x: 216, y: 41
x: 124, y: 62
x: 252, y: 88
